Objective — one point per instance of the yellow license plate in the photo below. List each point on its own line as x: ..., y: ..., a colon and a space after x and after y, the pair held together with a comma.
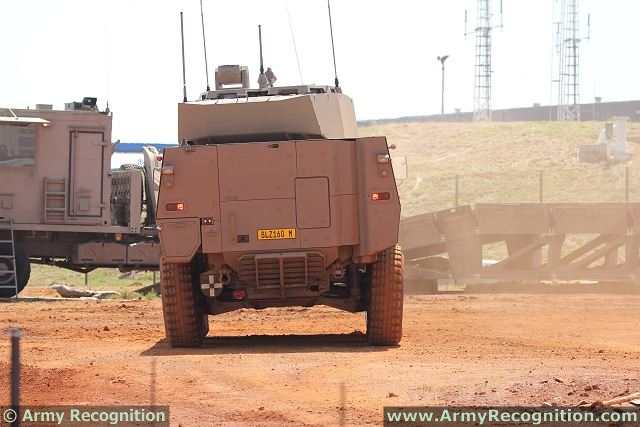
x: 277, y: 234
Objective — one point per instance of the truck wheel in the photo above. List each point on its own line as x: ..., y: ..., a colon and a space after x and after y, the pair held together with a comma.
x: 6, y: 279
x: 384, y: 316
x: 185, y: 320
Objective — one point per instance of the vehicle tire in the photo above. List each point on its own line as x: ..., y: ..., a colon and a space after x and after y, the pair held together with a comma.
x: 185, y: 320
x: 23, y: 266
x: 384, y: 315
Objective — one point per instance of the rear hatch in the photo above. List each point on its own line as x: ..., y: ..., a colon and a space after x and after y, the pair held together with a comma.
x: 280, y: 204
x: 264, y: 204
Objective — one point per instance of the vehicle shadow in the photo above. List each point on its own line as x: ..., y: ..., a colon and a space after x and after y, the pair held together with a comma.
x: 355, y: 342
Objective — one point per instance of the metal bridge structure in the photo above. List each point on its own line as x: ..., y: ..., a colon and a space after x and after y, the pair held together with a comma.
x: 541, y: 242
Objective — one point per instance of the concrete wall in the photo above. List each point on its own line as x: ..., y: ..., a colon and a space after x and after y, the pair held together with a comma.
x: 599, y: 112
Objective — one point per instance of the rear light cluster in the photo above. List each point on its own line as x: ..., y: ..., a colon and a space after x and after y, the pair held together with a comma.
x: 175, y: 207
x: 380, y: 196
x: 384, y: 158
x: 239, y: 294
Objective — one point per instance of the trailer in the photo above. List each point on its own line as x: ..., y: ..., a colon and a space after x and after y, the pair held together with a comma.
x: 61, y: 203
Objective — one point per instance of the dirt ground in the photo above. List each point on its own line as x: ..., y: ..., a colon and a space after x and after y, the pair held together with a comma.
x: 282, y: 367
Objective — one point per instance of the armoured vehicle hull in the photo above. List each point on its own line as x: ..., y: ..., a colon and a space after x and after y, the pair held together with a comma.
x: 272, y: 200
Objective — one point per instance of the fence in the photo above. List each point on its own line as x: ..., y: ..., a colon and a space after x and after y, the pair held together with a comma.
x: 421, y: 193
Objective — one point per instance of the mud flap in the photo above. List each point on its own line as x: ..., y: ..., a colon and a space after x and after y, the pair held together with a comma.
x: 179, y: 239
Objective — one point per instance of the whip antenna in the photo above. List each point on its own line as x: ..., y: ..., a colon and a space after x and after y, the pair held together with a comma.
x: 260, y: 42
x: 184, y: 69
x: 333, y: 46
x: 293, y: 39
x: 204, y: 42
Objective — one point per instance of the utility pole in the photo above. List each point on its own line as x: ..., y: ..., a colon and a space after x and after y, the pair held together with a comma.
x: 442, y: 60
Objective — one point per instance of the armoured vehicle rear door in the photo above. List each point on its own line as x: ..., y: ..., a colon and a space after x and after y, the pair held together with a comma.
x: 86, y: 173
x: 257, y: 186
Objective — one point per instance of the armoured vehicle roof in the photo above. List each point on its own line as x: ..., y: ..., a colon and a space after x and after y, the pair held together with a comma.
x: 242, y: 114
x: 27, y: 115
x: 244, y: 92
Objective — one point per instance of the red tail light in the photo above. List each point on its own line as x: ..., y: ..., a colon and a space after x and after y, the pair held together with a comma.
x: 380, y: 196
x: 239, y: 294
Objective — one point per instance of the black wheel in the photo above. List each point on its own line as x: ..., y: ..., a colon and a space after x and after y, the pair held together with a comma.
x: 185, y: 319
x: 384, y: 315
x: 23, y: 267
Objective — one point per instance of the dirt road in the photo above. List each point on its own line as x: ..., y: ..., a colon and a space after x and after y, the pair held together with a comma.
x: 482, y: 349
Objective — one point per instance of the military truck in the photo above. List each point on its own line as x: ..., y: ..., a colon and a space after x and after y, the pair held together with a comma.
x: 60, y: 202
x: 272, y: 200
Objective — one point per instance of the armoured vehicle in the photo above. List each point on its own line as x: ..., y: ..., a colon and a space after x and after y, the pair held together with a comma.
x: 272, y: 200
x: 60, y: 202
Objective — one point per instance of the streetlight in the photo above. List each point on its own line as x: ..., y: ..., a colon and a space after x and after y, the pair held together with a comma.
x: 442, y: 60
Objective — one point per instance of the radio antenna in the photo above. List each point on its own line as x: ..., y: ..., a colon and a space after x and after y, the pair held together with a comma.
x: 260, y: 41
x: 293, y: 39
x: 204, y: 42
x: 184, y: 69
x: 333, y: 46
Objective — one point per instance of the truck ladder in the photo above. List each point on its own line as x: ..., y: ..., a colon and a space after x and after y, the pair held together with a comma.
x: 8, y: 277
x: 55, y: 200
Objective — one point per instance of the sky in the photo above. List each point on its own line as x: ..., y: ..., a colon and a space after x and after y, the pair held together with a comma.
x: 128, y: 52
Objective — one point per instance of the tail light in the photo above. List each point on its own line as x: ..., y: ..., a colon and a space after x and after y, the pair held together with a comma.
x: 175, y: 207
x: 383, y: 158
x: 239, y: 294
x: 380, y: 196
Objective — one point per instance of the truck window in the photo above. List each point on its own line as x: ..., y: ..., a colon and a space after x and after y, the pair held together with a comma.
x: 17, y: 145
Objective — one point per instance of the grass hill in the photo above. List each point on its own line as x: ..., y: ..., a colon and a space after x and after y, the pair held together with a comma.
x: 502, y: 162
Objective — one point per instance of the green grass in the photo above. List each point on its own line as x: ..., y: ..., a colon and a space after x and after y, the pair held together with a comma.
x: 100, y: 279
